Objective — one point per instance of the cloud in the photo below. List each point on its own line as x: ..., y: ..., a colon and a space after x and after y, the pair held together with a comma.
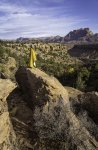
x: 22, y: 21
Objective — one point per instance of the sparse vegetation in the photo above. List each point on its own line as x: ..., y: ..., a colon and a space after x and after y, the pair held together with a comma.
x: 54, y: 59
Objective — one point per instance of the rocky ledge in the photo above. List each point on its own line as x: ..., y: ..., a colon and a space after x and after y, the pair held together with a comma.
x: 40, y: 114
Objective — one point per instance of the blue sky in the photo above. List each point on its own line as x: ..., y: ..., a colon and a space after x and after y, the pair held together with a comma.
x: 39, y: 18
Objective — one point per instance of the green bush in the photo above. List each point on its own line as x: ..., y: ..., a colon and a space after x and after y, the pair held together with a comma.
x: 82, y: 78
x: 96, y: 67
x: 2, y: 52
x: 2, y: 69
x: 80, y: 83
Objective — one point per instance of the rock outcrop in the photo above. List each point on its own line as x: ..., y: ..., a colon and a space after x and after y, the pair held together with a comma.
x: 56, y: 121
x: 39, y: 88
x: 85, y: 52
x: 7, y: 134
x: 78, y: 34
x: 16, y: 119
x: 41, y: 114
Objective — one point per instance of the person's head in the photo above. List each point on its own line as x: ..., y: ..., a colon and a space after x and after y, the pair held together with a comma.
x: 31, y: 46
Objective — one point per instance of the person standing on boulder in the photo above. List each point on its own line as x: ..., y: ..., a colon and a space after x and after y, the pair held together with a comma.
x: 32, y: 59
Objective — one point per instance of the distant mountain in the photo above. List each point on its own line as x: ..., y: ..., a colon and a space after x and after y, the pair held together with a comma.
x: 52, y: 39
x: 21, y: 39
x: 84, y: 35
x: 78, y: 34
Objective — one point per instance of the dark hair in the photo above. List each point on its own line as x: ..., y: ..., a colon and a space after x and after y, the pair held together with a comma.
x: 31, y: 46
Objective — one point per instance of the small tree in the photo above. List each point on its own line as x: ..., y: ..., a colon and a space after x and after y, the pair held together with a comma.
x: 82, y: 78
x: 80, y: 84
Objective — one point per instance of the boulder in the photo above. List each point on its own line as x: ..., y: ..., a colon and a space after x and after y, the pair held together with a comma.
x: 7, y: 134
x: 39, y: 88
x: 57, y: 126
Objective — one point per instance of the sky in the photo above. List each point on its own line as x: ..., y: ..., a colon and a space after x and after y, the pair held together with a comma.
x: 42, y: 18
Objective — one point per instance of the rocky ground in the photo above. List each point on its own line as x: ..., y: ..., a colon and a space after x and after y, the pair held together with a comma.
x: 40, y: 114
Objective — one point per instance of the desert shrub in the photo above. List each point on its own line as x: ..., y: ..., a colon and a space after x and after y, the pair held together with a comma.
x: 2, y: 52
x: 51, y: 48
x: 14, y: 55
x: 40, y: 49
x: 82, y: 114
x: 2, y: 68
x: 68, y: 79
x: 13, y: 46
x: 53, y: 68
x: 22, y: 61
x: 80, y: 83
x: 82, y: 78
x: 96, y: 67
x: 51, y: 123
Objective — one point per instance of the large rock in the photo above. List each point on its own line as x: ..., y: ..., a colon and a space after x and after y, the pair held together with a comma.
x: 22, y: 120
x: 15, y: 119
x: 7, y: 134
x: 39, y: 88
x: 57, y: 126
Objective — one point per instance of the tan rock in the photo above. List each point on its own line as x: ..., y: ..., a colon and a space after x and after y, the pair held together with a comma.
x: 7, y: 134
x: 72, y: 92
x: 53, y: 118
x: 39, y: 87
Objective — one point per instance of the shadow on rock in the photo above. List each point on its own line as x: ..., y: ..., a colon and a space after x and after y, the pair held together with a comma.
x: 22, y: 120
